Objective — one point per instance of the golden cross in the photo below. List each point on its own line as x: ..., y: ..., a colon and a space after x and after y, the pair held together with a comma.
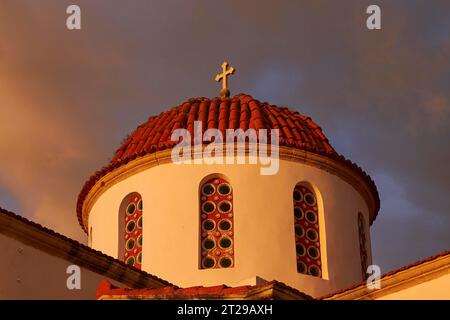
x: 223, y: 76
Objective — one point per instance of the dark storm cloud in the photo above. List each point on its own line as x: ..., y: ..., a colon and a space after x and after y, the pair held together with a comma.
x: 68, y: 98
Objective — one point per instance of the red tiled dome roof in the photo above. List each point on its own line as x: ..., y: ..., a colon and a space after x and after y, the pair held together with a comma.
x: 240, y: 111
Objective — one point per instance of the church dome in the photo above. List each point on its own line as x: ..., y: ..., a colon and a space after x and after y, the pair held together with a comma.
x: 239, y: 112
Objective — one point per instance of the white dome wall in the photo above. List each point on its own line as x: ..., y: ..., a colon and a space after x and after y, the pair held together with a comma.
x: 264, y: 240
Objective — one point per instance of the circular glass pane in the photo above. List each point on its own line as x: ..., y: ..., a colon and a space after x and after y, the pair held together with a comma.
x: 225, y: 225
x: 208, y: 262
x: 314, y: 271
x: 300, y: 249
x: 297, y: 195
x: 299, y: 231
x: 130, y: 244
x: 130, y: 261
x: 139, y: 223
x: 208, y: 207
x: 313, y: 252
x: 139, y: 241
x: 298, y: 213
x: 139, y: 258
x: 301, y: 267
x: 225, y: 262
x: 311, y: 216
x: 131, y: 225
x: 131, y: 209
x: 225, y: 243
x: 140, y: 205
x: 208, y: 189
x: 209, y: 244
x: 312, y: 234
x: 209, y: 225
x: 225, y: 206
x: 224, y: 189
x: 310, y: 199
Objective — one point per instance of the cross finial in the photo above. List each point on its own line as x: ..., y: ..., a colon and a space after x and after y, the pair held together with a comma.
x: 223, y: 76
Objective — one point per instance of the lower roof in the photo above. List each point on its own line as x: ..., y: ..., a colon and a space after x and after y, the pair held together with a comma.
x: 398, y: 279
x: 273, y: 290
x: 56, y: 244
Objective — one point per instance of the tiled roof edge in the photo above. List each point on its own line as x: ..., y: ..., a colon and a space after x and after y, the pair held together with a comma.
x: 139, y: 277
x: 390, y: 273
x: 280, y: 290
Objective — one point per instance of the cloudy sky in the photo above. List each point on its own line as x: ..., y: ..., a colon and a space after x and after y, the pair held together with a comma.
x: 68, y: 98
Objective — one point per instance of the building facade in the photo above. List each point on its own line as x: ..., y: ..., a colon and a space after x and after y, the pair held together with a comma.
x: 217, y: 230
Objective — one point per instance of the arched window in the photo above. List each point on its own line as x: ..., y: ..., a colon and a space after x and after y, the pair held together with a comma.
x: 130, y: 230
x: 216, y: 224
x: 362, y: 245
x: 306, y: 228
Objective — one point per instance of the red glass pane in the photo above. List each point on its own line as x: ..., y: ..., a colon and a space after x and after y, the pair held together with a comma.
x: 133, y: 231
x: 306, y: 228
x: 216, y: 224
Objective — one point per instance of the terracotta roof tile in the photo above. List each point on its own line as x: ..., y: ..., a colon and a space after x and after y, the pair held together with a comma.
x: 221, y: 291
x: 241, y: 111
